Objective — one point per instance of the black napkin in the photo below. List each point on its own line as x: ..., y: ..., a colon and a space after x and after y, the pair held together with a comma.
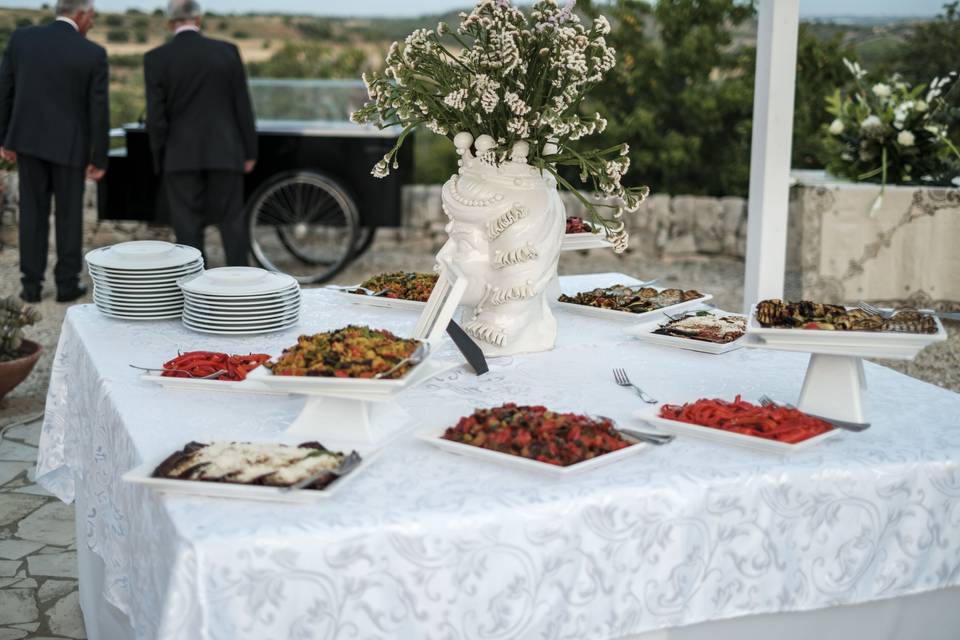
x: 469, y: 348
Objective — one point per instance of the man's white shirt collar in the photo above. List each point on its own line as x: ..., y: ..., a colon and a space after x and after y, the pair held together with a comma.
x: 70, y: 22
x: 186, y: 27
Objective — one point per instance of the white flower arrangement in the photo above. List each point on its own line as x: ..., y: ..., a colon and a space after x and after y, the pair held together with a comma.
x: 516, y: 79
x: 891, y: 132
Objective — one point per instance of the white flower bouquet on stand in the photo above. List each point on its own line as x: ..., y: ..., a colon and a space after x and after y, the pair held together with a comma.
x: 508, y: 90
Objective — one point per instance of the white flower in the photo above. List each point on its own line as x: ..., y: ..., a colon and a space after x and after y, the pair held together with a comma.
x: 836, y: 127
x: 871, y: 122
x: 882, y: 90
x: 381, y: 169
x: 920, y: 106
x: 905, y: 139
x: 855, y: 69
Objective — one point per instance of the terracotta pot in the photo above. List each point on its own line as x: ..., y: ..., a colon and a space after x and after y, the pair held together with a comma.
x: 13, y: 372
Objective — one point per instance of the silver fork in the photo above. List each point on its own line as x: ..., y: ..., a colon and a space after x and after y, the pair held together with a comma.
x: 415, y: 358
x: 369, y: 292
x: 874, y: 311
x: 349, y: 463
x: 212, y: 376
x: 886, y: 315
x: 622, y: 379
x: 767, y: 401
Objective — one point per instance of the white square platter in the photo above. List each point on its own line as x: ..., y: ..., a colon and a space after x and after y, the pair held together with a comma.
x: 613, y: 314
x: 433, y: 437
x: 377, y: 301
x: 585, y: 240
x: 646, y: 333
x: 142, y: 475
x: 650, y: 416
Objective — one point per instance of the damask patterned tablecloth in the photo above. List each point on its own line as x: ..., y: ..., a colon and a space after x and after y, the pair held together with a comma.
x: 426, y: 544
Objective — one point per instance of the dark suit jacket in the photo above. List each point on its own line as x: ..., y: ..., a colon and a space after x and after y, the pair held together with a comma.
x: 199, y: 115
x: 54, y: 96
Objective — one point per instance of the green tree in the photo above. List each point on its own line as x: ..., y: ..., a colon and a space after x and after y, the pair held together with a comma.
x: 932, y: 49
x: 311, y: 60
x: 681, y: 93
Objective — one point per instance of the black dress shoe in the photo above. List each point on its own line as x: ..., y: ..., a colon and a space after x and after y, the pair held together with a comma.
x: 30, y: 295
x: 71, y: 294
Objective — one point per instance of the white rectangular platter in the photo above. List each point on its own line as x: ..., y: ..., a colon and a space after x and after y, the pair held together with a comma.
x: 378, y: 301
x: 646, y: 333
x: 864, y: 344
x: 585, y: 240
x: 223, y: 386
x: 613, y: 314
x: 433, y: 435
x: 728, y: 437
x: 357, y: 388
x: 142, y: 475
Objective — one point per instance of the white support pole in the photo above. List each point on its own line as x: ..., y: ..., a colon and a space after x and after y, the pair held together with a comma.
x: 774, y: 88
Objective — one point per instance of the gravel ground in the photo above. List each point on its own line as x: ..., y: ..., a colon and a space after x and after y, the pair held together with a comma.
x: 939, y: 364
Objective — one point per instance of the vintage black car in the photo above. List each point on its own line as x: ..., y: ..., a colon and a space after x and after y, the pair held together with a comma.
x: 312, y: 204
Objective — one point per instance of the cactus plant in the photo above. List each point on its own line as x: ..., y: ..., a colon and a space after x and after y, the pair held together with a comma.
x: 14, y: 316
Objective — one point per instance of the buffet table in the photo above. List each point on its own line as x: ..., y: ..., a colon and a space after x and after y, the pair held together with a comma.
x: 671, y: 543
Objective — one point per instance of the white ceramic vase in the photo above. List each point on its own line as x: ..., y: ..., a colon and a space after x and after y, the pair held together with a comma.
x: 506, y: 226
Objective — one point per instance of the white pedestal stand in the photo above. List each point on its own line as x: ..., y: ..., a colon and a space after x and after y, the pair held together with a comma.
x: 834, y: 387
x: 341, y: 419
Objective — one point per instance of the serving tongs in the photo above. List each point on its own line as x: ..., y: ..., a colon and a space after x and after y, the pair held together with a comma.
x: 889, y: 314
x: 347, y: 465
x: 856, y: 427
x: 657, y: 439
x: 369, y: 292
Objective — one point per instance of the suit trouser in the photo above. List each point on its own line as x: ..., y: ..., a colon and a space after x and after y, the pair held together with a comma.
x: 40, y: 181
x: 199, y: 198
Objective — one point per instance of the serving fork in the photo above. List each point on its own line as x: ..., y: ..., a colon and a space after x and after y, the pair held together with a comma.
x: 767, y: 401
x: 887, y: 314
x: 369, y: 292
x: 621, y: 378
x: 212, y: 376
x: 348, y: 464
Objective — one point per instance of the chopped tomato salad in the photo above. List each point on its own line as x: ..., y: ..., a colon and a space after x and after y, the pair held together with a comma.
x: 783, y: 424
x: 537, y: 433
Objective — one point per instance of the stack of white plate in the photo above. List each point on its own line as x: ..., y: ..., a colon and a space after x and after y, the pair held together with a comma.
x: 239, y: 301
x: 138, y: 280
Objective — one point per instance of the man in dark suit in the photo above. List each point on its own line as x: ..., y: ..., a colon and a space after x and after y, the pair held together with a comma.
x: 202, y: 131
x: 55, y: 124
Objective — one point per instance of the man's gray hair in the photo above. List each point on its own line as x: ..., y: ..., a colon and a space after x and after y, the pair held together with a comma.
x: 70, y: 7
x: 183, y: 10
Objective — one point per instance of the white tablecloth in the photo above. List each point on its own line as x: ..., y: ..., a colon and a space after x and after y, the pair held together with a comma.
x: 426, y: 544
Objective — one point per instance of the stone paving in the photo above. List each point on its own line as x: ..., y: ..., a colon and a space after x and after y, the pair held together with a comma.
x: 38, y: 557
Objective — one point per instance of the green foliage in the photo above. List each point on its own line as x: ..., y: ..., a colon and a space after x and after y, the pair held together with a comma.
x: 317, y: 29
x: 113, y: 20
x: 140, y: 36
x: 819, y: 69
x: 933, y: 48
x: 311, y: 60
x: 681, y: 94
x: 241, y: 35
x: 434, y: 158
x: 23, y: 22
x: 126, y: 61
x: 14, y: 316
x: 118, y: 35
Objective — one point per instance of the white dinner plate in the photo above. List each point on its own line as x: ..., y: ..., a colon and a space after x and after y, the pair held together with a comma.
x: 135, y: 303
x: 148, y: 274
x: 136, y: 282
x: 241, y: 323
x: 239, y: 332
x: 143, y: 475
x: 379, y: 301
x: 242, y: 312
x: 238, y: 281
x: 650, y: 415
x: 138, y: 310
x: 864, y: 344
x: 143, y: 254
x: 287, y: 297
x: 646, y: 333
x: 613, y: 314
x: 360, y: 388
x: 135, y: 286
x: 144, y: 318
x: 434, y: 437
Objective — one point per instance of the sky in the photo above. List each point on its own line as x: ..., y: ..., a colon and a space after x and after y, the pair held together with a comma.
x: 808, y: 8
